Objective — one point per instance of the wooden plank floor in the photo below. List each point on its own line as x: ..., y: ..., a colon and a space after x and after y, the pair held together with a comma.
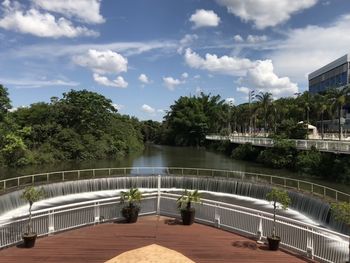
x: 102, y: 242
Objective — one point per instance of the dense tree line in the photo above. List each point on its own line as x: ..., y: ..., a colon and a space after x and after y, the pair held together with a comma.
x: 82, y: 125
x: 191, y: 118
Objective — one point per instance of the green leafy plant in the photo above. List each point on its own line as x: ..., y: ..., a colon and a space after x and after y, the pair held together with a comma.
x: 132, y: 198
x: 185, y: 201
x: 277, y: 196
x: 32, y: 195
x: 341, y: 212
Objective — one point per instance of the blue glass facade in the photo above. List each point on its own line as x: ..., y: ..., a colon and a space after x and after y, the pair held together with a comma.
x: 335, y: 77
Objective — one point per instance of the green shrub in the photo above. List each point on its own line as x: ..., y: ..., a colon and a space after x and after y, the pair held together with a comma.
x: 245, y: 152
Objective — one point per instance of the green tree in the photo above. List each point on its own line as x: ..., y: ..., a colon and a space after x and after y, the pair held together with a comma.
x: 5, y: 102
x: 265, y: 101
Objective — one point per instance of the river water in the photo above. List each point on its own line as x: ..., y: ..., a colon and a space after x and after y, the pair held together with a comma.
x: 166, y: 156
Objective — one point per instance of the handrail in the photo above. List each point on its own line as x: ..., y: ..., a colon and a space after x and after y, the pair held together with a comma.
x: 325, y: 245
x: 315, y: 189
x: 302, y: 144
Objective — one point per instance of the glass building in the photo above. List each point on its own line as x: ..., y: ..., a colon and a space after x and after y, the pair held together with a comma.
x: 334, y: 74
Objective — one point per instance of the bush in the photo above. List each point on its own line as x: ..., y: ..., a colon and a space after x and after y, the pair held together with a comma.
x: 282, y: 155
x: 308, y: 161
x: 245, y: 152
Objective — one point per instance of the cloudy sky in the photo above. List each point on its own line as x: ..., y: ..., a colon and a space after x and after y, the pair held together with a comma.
x: 145, y: 54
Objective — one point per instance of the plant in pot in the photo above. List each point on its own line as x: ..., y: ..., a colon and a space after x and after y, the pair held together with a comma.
x: 184, y: 203
x: 341, y: 212
x: 31, y: 195
x: 131, y: 199
x: 279, y: 199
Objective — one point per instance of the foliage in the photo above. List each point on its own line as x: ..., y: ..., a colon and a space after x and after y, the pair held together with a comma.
x: 82, y: 125
x: 32, y: 195
x: 277, y: 196
x: 132, y: 197
x: 341, y: 212
x: 5, y: 102
x: 245, y: 152
x: 308, y: 161
x: 282, y: 155
x: 191, y: 118
x: 185, y: 201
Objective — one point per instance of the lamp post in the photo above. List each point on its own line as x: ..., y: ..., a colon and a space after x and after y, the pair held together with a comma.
x: 251, y: 97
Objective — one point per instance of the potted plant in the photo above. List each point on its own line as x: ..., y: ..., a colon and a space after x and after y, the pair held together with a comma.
x: 31, y: 195
x: 184, y: 204
x: 279, y: 199
x: 341, y: 212
x: 131, y: 199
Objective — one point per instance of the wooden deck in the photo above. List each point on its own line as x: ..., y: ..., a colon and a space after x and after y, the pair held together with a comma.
x: 102, y: 242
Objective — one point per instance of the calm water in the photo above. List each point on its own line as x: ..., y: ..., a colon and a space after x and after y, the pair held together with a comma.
x: 163, y: 156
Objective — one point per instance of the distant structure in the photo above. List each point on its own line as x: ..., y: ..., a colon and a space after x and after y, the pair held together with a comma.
x: 334, y: 74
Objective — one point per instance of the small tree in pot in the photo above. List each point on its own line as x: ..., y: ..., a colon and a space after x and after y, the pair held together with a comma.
x: 277, y: 197
x: 132, y: 199
x: 32, y: 195
x: 184, y: 204
x: 341, y: 212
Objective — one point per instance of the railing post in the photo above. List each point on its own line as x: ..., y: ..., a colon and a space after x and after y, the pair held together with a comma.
x: 62, y: 176
x: 285, y: 182
x: 336, y: 195
x: 97, y: 213
x: 78, y: 174
x: 4, y: 185
x: 48, y: 177
x: 93, y: 173
x: 18, y: 182
x: 158, y: 196
x: 109, y: 172
x: 310, y: 244
x: 217, y: 216
x: 259, y: 233
x: 298, y: 185
x: 51, y: 224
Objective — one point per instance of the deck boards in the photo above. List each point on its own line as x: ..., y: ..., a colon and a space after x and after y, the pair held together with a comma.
x: 202, y: 244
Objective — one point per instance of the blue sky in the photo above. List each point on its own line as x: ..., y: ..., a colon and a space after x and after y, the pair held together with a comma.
x: 145, y: 54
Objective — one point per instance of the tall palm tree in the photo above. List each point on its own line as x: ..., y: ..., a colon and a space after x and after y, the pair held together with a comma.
x: 322, y: 105
x: 265, y: 100
x: 339, y: 97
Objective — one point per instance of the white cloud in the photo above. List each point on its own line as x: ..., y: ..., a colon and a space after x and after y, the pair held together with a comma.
x: 31, y: 83
x: 253, y: 39
x: 171, y: 83
x: 144, y: 79
x: 266, y: 13
x: 225, y: 65
x: 119, y: 82
x: 40, y: 24
x: 87, y: 11
x: 197, y: 76
x: 61, y: 50
x: 238, y: 38
x: 230, y: 101
x: 243, y: 90
x: 199, y: 90
x: 148, y: 109
x: 306, y: 49
x: 263, y: 78
x: 186, y: 41
x: 205, y: 18
x: 258, y: 74
x: 184, y: 75
x: 102, y: 62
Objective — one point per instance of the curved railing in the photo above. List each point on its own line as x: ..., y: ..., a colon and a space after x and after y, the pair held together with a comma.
x: 317, y: 190
x: 309, y: 240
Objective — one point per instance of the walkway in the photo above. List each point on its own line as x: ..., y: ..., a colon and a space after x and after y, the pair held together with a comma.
x: 202, y: 244
x: 321, y: 145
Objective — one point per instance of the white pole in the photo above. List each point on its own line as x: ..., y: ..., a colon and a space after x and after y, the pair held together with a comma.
x: 158, y: 197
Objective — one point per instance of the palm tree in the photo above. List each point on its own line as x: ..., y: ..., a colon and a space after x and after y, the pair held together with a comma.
x: 265, y: 100
x: 339, y: 97
x: 322, y: 106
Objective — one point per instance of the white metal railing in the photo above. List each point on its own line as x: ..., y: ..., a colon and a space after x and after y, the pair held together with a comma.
x: 321, y: 145
x: 309, y: 240
x: 317, y: 190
